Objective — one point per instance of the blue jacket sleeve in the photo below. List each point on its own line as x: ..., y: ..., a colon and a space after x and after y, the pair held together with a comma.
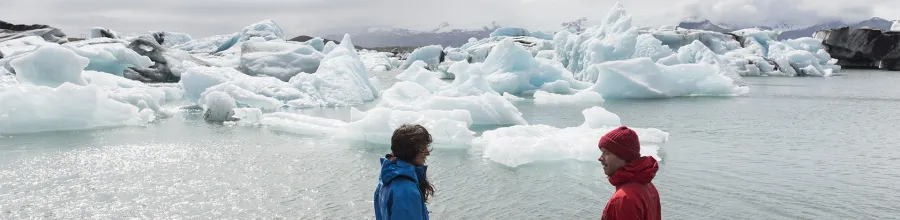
x: 407, y: 204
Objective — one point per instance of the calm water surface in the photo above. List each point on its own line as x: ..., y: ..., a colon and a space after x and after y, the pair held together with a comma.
x: 795, y: 148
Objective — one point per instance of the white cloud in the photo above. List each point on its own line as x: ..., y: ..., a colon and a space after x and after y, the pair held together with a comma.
x: 204, y: 17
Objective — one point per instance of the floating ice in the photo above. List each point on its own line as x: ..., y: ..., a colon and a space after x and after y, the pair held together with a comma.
x: 895, y: 25
x: 218, y: 107
x: 486, y: 109
x: 524, y: 144
x: 52, y: 94
x: 134, y: 92
x: 448, y: 128
x: 417, y: 73
x: 341, y: 80
x: 317, y: 43
x: 546, y: 98
x: 266, y: 30
x: 302, y: 124
x: 109, y: 57
x: 278, y: 59
x: 642, y: 78
x: 205, y: 45
x: 30, y: 108
x: 512, y: 69
x: 329, y: 47
x: 376, y: 61
x: 50, y: 65
x: 510, y: 32
x: 431, y: 55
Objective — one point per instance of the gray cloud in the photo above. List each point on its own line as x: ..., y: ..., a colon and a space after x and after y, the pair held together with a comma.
x: 755, y: 12
x: 202, y: 18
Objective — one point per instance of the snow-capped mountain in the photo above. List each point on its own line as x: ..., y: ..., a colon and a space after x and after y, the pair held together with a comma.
x: 443, y: 34
x: 788, y: 30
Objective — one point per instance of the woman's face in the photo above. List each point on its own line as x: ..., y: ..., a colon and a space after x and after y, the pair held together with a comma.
x: 420, y: 158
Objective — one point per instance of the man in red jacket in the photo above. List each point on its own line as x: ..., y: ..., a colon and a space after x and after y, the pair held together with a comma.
x: 635, y: 198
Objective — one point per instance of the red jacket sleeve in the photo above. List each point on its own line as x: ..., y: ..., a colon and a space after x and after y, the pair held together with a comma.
x: 623, y: 207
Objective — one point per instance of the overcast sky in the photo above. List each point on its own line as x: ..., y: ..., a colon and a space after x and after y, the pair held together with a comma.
x: 202, y: 18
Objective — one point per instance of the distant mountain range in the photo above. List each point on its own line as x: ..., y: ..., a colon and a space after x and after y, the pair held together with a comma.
x: 788, y: 31
x: 443, y: 34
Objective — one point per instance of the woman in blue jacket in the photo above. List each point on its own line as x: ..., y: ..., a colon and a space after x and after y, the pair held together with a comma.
x: 403, y: 188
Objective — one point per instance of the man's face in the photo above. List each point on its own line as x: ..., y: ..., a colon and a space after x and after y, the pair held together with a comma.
x: 610, y: 162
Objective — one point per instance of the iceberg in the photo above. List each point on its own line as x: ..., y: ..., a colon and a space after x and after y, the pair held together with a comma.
x: 341, y: 80
x: 485, y: 109
x: 376, y: 61
x: 525, y: 144
x: 448, y: 128
x: 512, y: 69
x: 205, y: 45
x: 51, y: 92
x: 278, y: 59
x: 417, y: 73
x: 265, y: 29
x: 510, y: 32
x: 642, y: 78
x: 546, y: 98
x: 432, y: 56
x: 218, y: 107
x: 50, y: 65
x: 30, y: 108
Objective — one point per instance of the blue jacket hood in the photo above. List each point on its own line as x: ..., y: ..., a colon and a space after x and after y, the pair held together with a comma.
x: 391, y: 169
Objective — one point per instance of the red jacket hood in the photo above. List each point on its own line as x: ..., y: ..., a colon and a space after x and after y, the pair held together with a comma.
x: 641, y: 170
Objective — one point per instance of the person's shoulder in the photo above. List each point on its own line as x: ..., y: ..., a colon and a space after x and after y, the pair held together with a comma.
x: 631, y: 191
x: 404, y: 186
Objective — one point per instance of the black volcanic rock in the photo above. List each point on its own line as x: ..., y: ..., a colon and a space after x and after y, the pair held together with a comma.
x: 863, y: 47
x: 10, y: 31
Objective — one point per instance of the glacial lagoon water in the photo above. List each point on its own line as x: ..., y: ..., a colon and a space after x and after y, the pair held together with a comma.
x: 794, y: 148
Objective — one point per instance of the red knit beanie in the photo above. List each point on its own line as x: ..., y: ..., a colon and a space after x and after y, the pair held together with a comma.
x: 622, y: 142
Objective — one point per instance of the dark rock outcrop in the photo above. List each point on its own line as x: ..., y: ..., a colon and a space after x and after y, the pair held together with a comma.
x: 159, y: 72
x: 863, y: 47
x: 10, y: 31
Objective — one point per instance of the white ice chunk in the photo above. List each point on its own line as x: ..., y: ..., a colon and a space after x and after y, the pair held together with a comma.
x: 449, y: 128
x: 278, y: 59
x: 218, y: 107
x: 418, y: 74
x: 376, y: 61
x: 50, y: 65
x: 642, y: 78
x: 512, y: 69
x: 510, y: 32
x: 205, y: 45
x: 524, y: 144
x: 588, y: 97
x: 302, y: 124
x: 329, y: 47
x: 29, y: 108
x: 110, y: 58
x: 428, y: 54
x: 486, y: 109
x: 341, y: 80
